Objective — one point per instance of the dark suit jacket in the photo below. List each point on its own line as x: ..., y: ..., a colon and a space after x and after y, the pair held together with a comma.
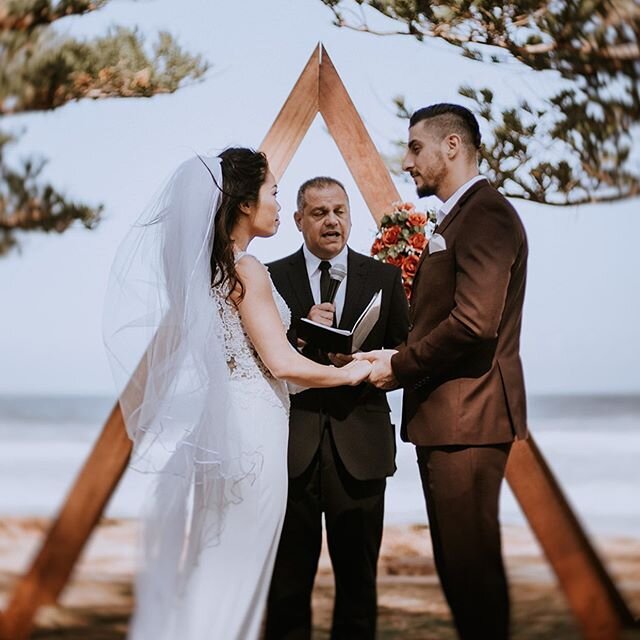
x: 460, y: 366
x: 358, y: 416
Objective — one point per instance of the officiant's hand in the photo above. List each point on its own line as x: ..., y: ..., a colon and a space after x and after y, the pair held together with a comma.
x: 381, y: 374
x: 322, y: 313
x: 340, y: 359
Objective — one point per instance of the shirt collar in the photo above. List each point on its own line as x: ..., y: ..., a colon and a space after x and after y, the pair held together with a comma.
x: 313, y: 262
x: 451, y: 202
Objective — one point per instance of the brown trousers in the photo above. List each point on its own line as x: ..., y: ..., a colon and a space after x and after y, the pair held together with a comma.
x: 461, y: 485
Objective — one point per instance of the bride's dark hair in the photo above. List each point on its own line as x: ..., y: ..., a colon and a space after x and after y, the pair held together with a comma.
x: 243, y: 173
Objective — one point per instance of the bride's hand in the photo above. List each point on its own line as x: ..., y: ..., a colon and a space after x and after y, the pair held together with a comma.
x: 357, y: 371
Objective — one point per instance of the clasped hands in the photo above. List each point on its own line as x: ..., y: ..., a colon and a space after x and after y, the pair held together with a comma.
x: 381, y: 374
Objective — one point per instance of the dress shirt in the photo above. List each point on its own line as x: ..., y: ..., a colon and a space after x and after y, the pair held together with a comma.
x: 451, y: 202
x: 313, y: 270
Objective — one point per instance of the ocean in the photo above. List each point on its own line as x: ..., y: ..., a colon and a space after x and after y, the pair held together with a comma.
x: 592, y: 444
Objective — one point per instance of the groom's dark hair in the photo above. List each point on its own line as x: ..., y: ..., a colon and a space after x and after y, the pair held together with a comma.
x: 451, y: 118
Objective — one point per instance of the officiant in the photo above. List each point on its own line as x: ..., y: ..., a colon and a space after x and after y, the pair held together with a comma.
x: 341, y: 441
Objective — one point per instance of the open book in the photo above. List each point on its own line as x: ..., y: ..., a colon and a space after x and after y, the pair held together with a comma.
x: 332, y: 340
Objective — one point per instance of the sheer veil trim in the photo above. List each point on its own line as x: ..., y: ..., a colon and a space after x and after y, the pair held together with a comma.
x: 165, y: 342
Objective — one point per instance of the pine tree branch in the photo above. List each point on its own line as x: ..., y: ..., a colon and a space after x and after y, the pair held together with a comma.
x: 47, y: 212
x: 26, y: 15
x: 464, y: 24
x: 28, y: 205
x: 574, y: 148
x: 116, y: 65
x: 40, y: 70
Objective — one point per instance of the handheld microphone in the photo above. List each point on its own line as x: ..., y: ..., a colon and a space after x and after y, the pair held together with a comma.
x: 337, y: 273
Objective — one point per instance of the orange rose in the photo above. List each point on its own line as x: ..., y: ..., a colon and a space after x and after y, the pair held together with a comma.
x: 410, y: 266
x: 377, y: 247
x: 390, y: 236
x: 418, y: 241
x: 396, y: 262
x: 406, y: 206
x: 417, y: 220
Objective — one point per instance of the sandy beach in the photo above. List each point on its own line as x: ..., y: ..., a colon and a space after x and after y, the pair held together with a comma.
x: 592, y: 445
x: 97, y: 603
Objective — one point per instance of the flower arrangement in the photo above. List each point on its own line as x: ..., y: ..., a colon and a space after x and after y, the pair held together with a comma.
x: 401, y: 239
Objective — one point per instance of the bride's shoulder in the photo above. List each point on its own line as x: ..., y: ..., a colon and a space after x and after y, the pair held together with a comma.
x: 251, y: 270
x: 246, y: 260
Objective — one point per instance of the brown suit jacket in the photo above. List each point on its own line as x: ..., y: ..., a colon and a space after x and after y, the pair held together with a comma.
x: 460, y: 366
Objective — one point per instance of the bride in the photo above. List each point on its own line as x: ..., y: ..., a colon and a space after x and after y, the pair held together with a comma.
x: 197, y: 330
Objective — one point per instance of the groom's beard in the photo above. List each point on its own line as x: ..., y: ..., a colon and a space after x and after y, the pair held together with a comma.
x: 425, y: 191
x: 432, y: 177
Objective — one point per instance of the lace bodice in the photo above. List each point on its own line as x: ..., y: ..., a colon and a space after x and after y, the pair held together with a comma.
x: 243, y: 361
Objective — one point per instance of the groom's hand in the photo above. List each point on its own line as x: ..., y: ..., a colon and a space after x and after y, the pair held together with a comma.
x: 322, y: 313
x: 381, y: 374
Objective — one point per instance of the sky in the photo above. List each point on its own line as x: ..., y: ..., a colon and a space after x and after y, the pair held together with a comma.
x: 582, y: 308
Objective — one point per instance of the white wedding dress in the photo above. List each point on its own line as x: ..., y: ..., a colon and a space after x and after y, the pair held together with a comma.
x: 206, y: 417
x: 225, y: 594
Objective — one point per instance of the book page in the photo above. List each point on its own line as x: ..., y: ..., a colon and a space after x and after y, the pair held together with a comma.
x: 342, y: 332
x: 366, y: 321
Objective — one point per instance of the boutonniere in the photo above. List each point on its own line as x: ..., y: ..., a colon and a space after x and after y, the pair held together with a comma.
x: 402, y: 237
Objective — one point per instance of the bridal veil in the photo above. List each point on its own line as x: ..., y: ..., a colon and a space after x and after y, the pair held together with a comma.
x: 165, y: 343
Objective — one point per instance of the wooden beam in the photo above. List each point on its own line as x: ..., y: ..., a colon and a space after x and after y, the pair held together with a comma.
x: 594, y: 599
x: 107, y: 462
x: 70, y: 530
x: 347, y: 129
x: 294, y: 119
x: 592, y: 595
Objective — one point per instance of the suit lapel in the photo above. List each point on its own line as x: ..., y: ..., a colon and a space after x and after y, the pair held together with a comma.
x: 299, y: 279
x: 463, y: 198
x: 356, y: 278
x: 441, y: 228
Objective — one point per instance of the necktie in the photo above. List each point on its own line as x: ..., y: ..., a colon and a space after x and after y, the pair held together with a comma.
x: 325, y: 280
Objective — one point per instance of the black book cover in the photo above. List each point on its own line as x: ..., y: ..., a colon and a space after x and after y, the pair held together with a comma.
x: 332, y: 340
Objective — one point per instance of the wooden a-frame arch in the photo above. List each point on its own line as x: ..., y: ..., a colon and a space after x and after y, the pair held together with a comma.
x: 599, y: 608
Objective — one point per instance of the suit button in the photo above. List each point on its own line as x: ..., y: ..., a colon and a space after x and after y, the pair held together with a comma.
x: 410, y: 326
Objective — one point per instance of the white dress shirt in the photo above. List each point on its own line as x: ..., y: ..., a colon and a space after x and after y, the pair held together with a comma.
x: 313, y: 270
x: 452, y: 200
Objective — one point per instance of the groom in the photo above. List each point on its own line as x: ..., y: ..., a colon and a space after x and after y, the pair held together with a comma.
x: 341, y: 441
x: 464, y: 398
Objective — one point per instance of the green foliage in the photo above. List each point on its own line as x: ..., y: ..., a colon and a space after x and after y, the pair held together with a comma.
x: 575, y: 146
x: 28, y: 205
x: 42, y: 70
